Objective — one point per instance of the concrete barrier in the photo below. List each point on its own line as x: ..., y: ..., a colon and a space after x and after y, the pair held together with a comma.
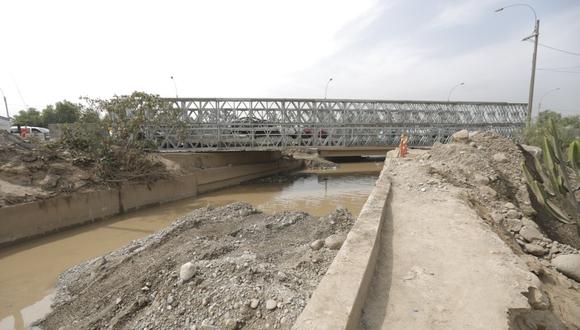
x: 338, y: 300
x: 25, y: 221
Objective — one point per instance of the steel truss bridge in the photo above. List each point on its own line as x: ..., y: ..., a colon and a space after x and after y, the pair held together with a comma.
x: 210, y: 124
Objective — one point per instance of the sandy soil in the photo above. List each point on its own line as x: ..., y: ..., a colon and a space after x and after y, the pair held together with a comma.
x: 441, y: 267
x: 463, y: 249
x: 252, y: 270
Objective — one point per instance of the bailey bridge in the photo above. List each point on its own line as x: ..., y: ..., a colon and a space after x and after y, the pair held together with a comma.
x: 345, y: 126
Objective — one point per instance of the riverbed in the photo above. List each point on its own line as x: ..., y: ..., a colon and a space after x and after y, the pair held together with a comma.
x: 30, y: 269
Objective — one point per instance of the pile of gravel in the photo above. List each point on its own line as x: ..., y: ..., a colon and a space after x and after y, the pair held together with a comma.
x: 230, y: 267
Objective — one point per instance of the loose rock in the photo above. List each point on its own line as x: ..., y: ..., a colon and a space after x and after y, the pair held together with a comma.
x: 461, y: 136
x: 186, y: 271
x: 569, y: 265
x: 530, y: 234
x: 271, y: 304
x: 535, y: 249
x: 317, y: 245
x: 334, y: 242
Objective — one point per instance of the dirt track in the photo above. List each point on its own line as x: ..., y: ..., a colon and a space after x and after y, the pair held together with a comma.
x: 462, y: 248
x: 441, y: 265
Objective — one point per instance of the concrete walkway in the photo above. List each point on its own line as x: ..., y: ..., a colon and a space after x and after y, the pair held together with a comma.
x: 440, y: 266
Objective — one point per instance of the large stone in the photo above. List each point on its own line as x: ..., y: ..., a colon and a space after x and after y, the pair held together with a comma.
x: 271, y: 304
x: 530, y: 234
x: 317, y: 245
x: 537, y: 299
x: 569, y: 265
x: 461, y: 136
x: 528, y: 222
x: 50, y: 181
x: 509, y: 206
x: 513, y: 225
x: 535, y: 249
x: 513, y: 214
x: 186, y: 271
x: 334, y: 242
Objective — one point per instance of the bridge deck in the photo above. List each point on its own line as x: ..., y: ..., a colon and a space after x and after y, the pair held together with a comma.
x: 274, y: 124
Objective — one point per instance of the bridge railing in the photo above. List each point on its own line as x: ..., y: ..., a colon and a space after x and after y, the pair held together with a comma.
x: 268, y: 124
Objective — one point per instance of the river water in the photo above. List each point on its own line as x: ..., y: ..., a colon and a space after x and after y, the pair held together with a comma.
x: 28, y: 271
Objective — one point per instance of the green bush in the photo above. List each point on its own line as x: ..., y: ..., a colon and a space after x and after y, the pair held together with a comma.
x: 568, y: 128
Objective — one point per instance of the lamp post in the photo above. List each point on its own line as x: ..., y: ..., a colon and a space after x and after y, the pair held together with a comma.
x: 174, y: 87
x: 452, y: 89
x: 326, y: 90
x: 535, y: 34
x: 5, y: 103
x: 542, y: 98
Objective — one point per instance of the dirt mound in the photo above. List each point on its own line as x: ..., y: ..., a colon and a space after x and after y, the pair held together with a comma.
x: 250, y: 270
x: 488, y: 168
x: 31, y: 171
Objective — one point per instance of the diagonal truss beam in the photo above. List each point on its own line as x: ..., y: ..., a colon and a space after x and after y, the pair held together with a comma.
x: 278, y: 123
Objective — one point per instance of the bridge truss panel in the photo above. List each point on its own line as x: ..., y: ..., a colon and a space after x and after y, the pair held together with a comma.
x: 272, y: 124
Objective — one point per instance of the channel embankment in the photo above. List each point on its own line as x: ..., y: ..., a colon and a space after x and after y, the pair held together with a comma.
x: 339, y: 299
x: 203, y: 173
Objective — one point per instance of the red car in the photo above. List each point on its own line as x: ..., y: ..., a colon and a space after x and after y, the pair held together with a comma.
x: 307, y: 133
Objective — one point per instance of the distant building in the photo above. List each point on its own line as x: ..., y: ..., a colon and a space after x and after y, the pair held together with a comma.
x: 4, y: 123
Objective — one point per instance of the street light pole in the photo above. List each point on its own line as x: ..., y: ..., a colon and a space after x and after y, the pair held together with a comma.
x: 5, y: 103
x: 174, y: 87
x: 542, y: 98
x: 534, y: 35
x: 326, y: 90
x: 452, y: 89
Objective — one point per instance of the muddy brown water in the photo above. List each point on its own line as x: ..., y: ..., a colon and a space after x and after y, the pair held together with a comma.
x: 28, y: 271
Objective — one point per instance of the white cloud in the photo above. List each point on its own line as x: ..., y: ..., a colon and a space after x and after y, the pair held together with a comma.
x: 65, y: 49
x: 461, y: 13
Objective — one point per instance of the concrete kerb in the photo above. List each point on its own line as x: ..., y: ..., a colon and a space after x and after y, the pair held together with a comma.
x: 338, y: 300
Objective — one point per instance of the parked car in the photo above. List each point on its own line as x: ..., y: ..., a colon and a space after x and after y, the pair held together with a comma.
x: 38, y: 132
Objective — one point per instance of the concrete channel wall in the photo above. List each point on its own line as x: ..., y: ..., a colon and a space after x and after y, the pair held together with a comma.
x: 24, y: 221
x: 339, y: 298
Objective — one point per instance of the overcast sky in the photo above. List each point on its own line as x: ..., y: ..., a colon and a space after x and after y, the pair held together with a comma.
x: 399, y: 49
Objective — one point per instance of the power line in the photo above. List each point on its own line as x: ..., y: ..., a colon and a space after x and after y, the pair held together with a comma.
x: 557, y: 49
x: 563, y: 68
x: 562, y: 71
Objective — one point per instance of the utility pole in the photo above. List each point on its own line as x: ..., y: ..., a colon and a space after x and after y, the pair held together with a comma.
x: 542, y: 98
x: 452, y: 89
x: 5, y: 103
x: 534, y: 35
x: 326, y: 90
x: 174, y: 87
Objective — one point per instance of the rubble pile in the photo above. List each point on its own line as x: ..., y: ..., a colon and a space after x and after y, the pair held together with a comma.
x: 230, y: 267
x: 32, y: 171
x: 29, y: 171
x: 488, y: 167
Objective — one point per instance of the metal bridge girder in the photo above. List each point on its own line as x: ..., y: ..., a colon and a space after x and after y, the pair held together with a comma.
x: 273, y: 124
